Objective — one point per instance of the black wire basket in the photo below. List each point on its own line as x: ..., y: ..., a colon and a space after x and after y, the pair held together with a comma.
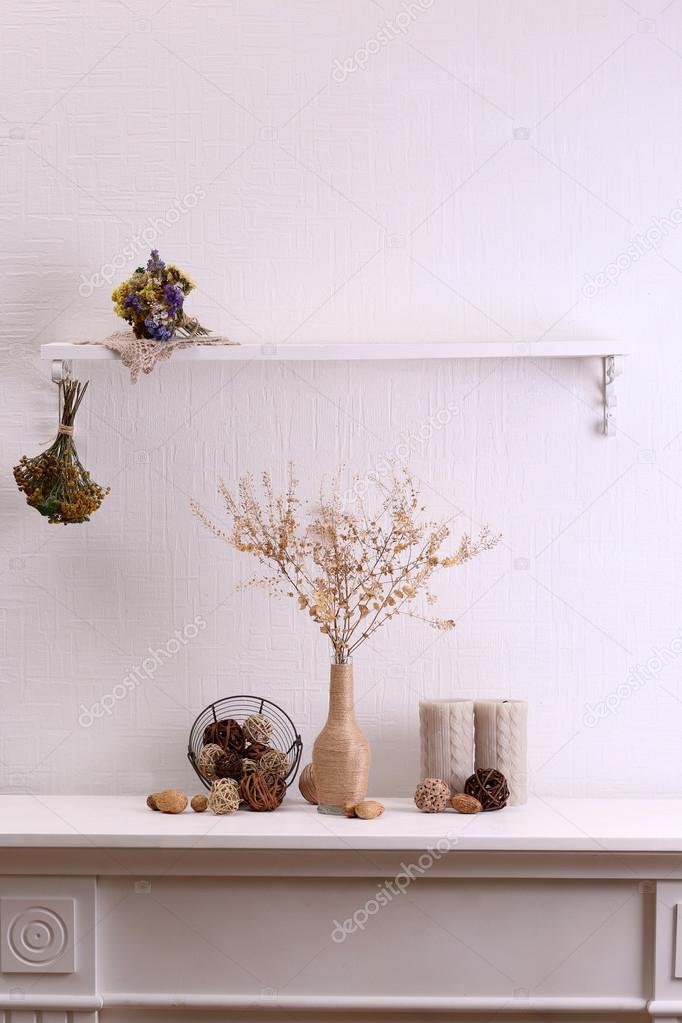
x: 284, y: 734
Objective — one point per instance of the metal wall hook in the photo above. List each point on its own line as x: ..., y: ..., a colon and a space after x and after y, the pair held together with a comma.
x: 613, y: 367
x: 61, y: 370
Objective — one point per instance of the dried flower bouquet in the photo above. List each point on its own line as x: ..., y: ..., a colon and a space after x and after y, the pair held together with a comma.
x: 152, y: 301
x: 350, y: 570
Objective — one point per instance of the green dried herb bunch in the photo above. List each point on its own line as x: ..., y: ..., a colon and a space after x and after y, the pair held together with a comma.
x: 55, y: 482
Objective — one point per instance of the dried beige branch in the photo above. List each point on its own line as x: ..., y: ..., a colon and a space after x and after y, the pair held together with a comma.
x: 351, y: 571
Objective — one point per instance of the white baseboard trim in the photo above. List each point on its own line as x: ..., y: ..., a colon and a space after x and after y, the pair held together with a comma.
x: 378, y: 1003
x: 662, y: 1008
x: 40, y: 1003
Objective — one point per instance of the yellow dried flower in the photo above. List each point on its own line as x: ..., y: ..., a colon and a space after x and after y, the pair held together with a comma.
x: 55, y: 482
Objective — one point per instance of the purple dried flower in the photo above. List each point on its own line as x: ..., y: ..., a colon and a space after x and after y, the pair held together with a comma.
x: 157, y: 331
x: 154, y: 263
x: 174, y: 299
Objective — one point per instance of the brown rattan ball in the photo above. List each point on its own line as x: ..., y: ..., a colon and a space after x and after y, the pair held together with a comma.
x: 275, y: 761
x: 226, y: 733
x: 262, y: 790
x: 432, y: 795
x: 306, y: 784
x: 489, y: 787
x: 256, y: 750
x: 228, y: 765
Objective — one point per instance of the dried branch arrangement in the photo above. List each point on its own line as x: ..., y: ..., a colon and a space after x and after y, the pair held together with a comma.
x: 55, y: 482
x: 351, y: 571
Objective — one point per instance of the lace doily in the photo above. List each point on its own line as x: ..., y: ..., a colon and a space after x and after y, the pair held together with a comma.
x: 142, y: 354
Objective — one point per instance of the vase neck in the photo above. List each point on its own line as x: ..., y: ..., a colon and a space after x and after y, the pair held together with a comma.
x: 341, y: 695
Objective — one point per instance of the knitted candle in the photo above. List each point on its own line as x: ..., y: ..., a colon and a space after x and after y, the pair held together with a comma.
x: 501, y: 742
x: 446, y: 729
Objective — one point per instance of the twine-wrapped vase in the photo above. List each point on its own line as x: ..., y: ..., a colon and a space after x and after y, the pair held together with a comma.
x: 446, y: 731
x: 341, y: 754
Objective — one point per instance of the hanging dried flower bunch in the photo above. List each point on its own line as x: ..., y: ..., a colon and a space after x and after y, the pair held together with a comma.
x: 55, y: 482
x: 351, y: 571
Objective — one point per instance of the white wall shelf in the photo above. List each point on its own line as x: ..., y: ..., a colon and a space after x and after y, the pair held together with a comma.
x: 333, y: 352
x: 62, y: 354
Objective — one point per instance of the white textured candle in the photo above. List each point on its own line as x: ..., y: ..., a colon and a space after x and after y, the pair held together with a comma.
x: 501, y: 742
x: 446, y: 729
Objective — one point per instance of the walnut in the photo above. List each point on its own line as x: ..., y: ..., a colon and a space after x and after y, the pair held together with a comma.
x: 368, y: 809
x: 171, y: 801
x: 463, y: 803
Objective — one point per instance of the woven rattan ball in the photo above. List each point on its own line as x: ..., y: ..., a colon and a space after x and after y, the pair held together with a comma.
x: 262, y: 790
x: 306, y: 784
x: 256, y: 750
x: 207, y: 759
x: 224, y: 796
x: 489, y: 787
x: 257, y: 728
x: 228, y: 765
x: 226, y: 733
x: 432, y: 795
x: 274, y: 761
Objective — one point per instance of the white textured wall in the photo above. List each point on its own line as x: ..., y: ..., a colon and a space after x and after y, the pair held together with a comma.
x: 458, y: 187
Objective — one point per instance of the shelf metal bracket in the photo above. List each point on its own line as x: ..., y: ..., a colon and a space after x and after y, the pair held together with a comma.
x: 613, y: 367
x: 61, y: 370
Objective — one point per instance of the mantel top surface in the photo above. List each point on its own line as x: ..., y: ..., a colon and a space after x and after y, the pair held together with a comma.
x: 543, y: 825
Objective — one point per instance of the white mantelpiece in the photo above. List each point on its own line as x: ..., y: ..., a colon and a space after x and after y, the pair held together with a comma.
x: 547, y: 907
x: 542, y: 825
